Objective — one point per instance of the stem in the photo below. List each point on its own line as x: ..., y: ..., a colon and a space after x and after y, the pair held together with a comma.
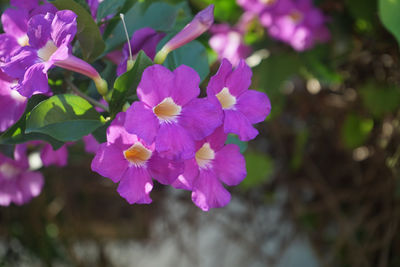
x: 88, y: 98
x: 127, y: 36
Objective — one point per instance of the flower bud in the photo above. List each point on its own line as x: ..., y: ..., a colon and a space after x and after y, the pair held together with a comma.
x: 200, y: 23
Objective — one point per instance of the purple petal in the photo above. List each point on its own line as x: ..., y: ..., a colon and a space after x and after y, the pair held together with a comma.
x: 20, y: 62
x: 57, y: 157
x: 164, y: 170
x: 12, y: 106
x: 26, y: 4
x: 61, y: 54
x: 117, y: 134
x: 91, y: 144
x: 186, y: 85
x: 63, y: 27
x: 217, y: 82
x: 8, y: 46
x: 156, y: 84
x: 35, y: 80
x: 230, y: 165
x: 30, y: 185
x: 188, y: 177
x: 145, y: 39
x: 106, y: 154
x: 136, y: 185
x: 44, y: 9
x: 240, y: 79
x: 174, y: 142
x: 201, y: 117
x: 141, y: 121
x: 237, y: 123
x: 208, y: 192
x: 15, y: 22
x: 217, y: 139
x: 39, y: 30
x: 254, y: 105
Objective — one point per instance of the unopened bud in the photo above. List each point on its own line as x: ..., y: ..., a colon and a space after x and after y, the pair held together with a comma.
x: 200, y: 23
x: 101, y: 85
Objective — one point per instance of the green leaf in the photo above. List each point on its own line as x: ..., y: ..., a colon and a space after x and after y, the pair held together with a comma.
x: 233, y: 139
x: 380, y: 99
x: 259, y: 169
x: 64, y: 117
x: 16, y: 133
x: 126, y: 84
x: 159, y: 16
x: 194, y: 55
x: 356, y: 130
x: 389, y: 11
x: 88, y: 33
x: 108, y: 7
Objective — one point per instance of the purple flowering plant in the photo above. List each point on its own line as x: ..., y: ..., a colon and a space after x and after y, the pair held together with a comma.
x: 132, y: 90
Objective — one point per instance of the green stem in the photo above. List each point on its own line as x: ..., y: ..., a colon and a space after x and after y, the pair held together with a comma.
x: 88, y: 98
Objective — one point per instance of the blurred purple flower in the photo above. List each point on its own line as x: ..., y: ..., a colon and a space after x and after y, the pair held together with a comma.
x: 57, y: 157
x: 228, y: 43
x: 145, y: 39
x: 91, y: 144
x: 301, y: 26
x: 12, y: 104
x: 18, y: 185
x: 130, y: 161
x: 242, y: 107
x: 213, y: 164
x: 169, y: 112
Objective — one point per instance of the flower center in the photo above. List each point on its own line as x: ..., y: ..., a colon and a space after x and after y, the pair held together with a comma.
x: 8, y: 171
x: 137, y: 154
x: 16, y: 96
x: 204, y: 156
x: 47, y: 51
x: 227, y: 100
x: 296, y: 16
x: 23, y: 40
x: 167, y: 110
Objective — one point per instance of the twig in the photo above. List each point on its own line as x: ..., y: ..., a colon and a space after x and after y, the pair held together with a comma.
x: 88, y: 98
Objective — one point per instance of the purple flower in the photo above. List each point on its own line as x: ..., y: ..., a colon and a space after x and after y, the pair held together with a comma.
x: 242, y: 107
x: 301, y: 25
x: 213, y: 164
x: 50, y: 37
x: 258, y: 6
x: 228, y: 43
x: 93, y: 5
x: 169, y: 112
x: 57, y: 157
x: 12, y: 104
x: 200, y: 23
x: 91, y: 144
x: 18, y: 185
x: 145, y: 39
x: 15, y: 21
x: 133, y: 163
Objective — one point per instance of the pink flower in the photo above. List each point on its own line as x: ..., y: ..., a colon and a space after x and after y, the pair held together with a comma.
x: 91, y: 144
x: 169, y: 112
x: 241, y: 107
x: 132, y: 162
x: 213, y: 164
x: 18, y: 185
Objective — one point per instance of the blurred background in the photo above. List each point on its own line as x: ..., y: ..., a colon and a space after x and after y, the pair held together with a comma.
x: 323, y: 184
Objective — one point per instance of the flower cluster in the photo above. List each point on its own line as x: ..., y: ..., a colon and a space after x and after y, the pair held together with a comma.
x: 296, y: 22
x: 177, y: 138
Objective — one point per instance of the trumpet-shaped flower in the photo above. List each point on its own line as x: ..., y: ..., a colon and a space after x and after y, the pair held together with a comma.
x: 18, y: 185
x: 241, y: 107
x: 169, y: 112
x: 213, y: 164
x: 50, y: 37
x: 126, y: 159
